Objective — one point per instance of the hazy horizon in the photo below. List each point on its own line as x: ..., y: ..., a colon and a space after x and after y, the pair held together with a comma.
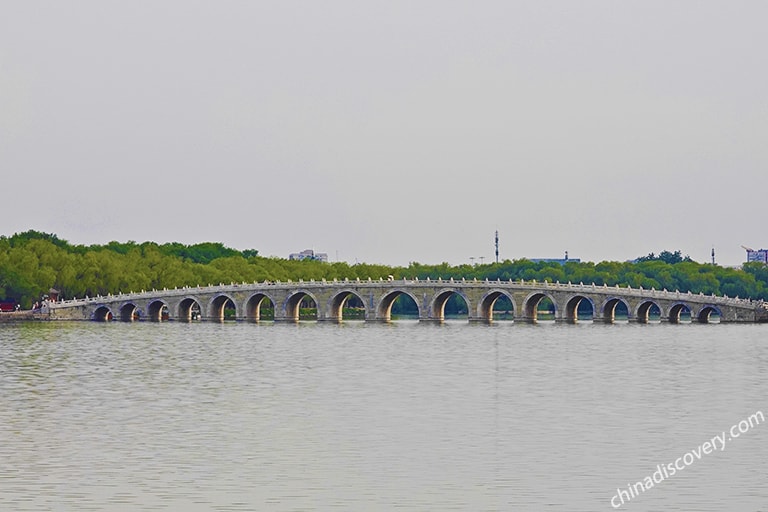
x: 389, y: 133
x: 332, y: 259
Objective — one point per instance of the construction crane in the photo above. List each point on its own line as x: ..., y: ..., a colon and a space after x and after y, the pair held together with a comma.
x: 748, y: 249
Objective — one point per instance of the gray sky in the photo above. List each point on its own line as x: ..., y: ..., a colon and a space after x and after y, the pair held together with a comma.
x: 389, y: 132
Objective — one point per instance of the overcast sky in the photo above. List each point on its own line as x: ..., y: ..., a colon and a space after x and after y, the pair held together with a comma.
x: 389, y: 132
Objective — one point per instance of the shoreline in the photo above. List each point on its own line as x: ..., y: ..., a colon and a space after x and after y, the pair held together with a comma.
x: 22, y: 316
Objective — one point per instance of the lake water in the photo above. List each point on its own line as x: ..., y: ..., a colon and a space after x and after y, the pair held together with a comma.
x: 368, y: 417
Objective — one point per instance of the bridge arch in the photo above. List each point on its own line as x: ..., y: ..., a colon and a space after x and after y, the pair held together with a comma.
x: 384, y: 309
x: 488, y: 300
x: 610, y: 305
x: 440, y: 299
x: 705, y: 314
x: 292, y: 305
x: 102, y: 314
x: 129, y: 312
x: 218, y: 304
x: 189, y: 309
x: 572, y: 307
x: 645, y: 309
x: 531, y: 305
x: 157, y: 310
x: 677, y: 311
x: 254, y: 304
x: 344, y: 298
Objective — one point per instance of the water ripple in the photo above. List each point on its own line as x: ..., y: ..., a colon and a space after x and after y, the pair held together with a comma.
x: 409, y: 417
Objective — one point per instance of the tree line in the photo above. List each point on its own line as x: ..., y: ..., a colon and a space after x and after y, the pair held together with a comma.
x: 31, y: 263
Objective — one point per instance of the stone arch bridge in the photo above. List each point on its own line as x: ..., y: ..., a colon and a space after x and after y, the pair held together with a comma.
x: 430, y: 296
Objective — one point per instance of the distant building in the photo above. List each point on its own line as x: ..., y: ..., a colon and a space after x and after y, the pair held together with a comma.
x: 308, y: 254
x: 760, y: 255
x: 561, y: 261
x: 53, y: 294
